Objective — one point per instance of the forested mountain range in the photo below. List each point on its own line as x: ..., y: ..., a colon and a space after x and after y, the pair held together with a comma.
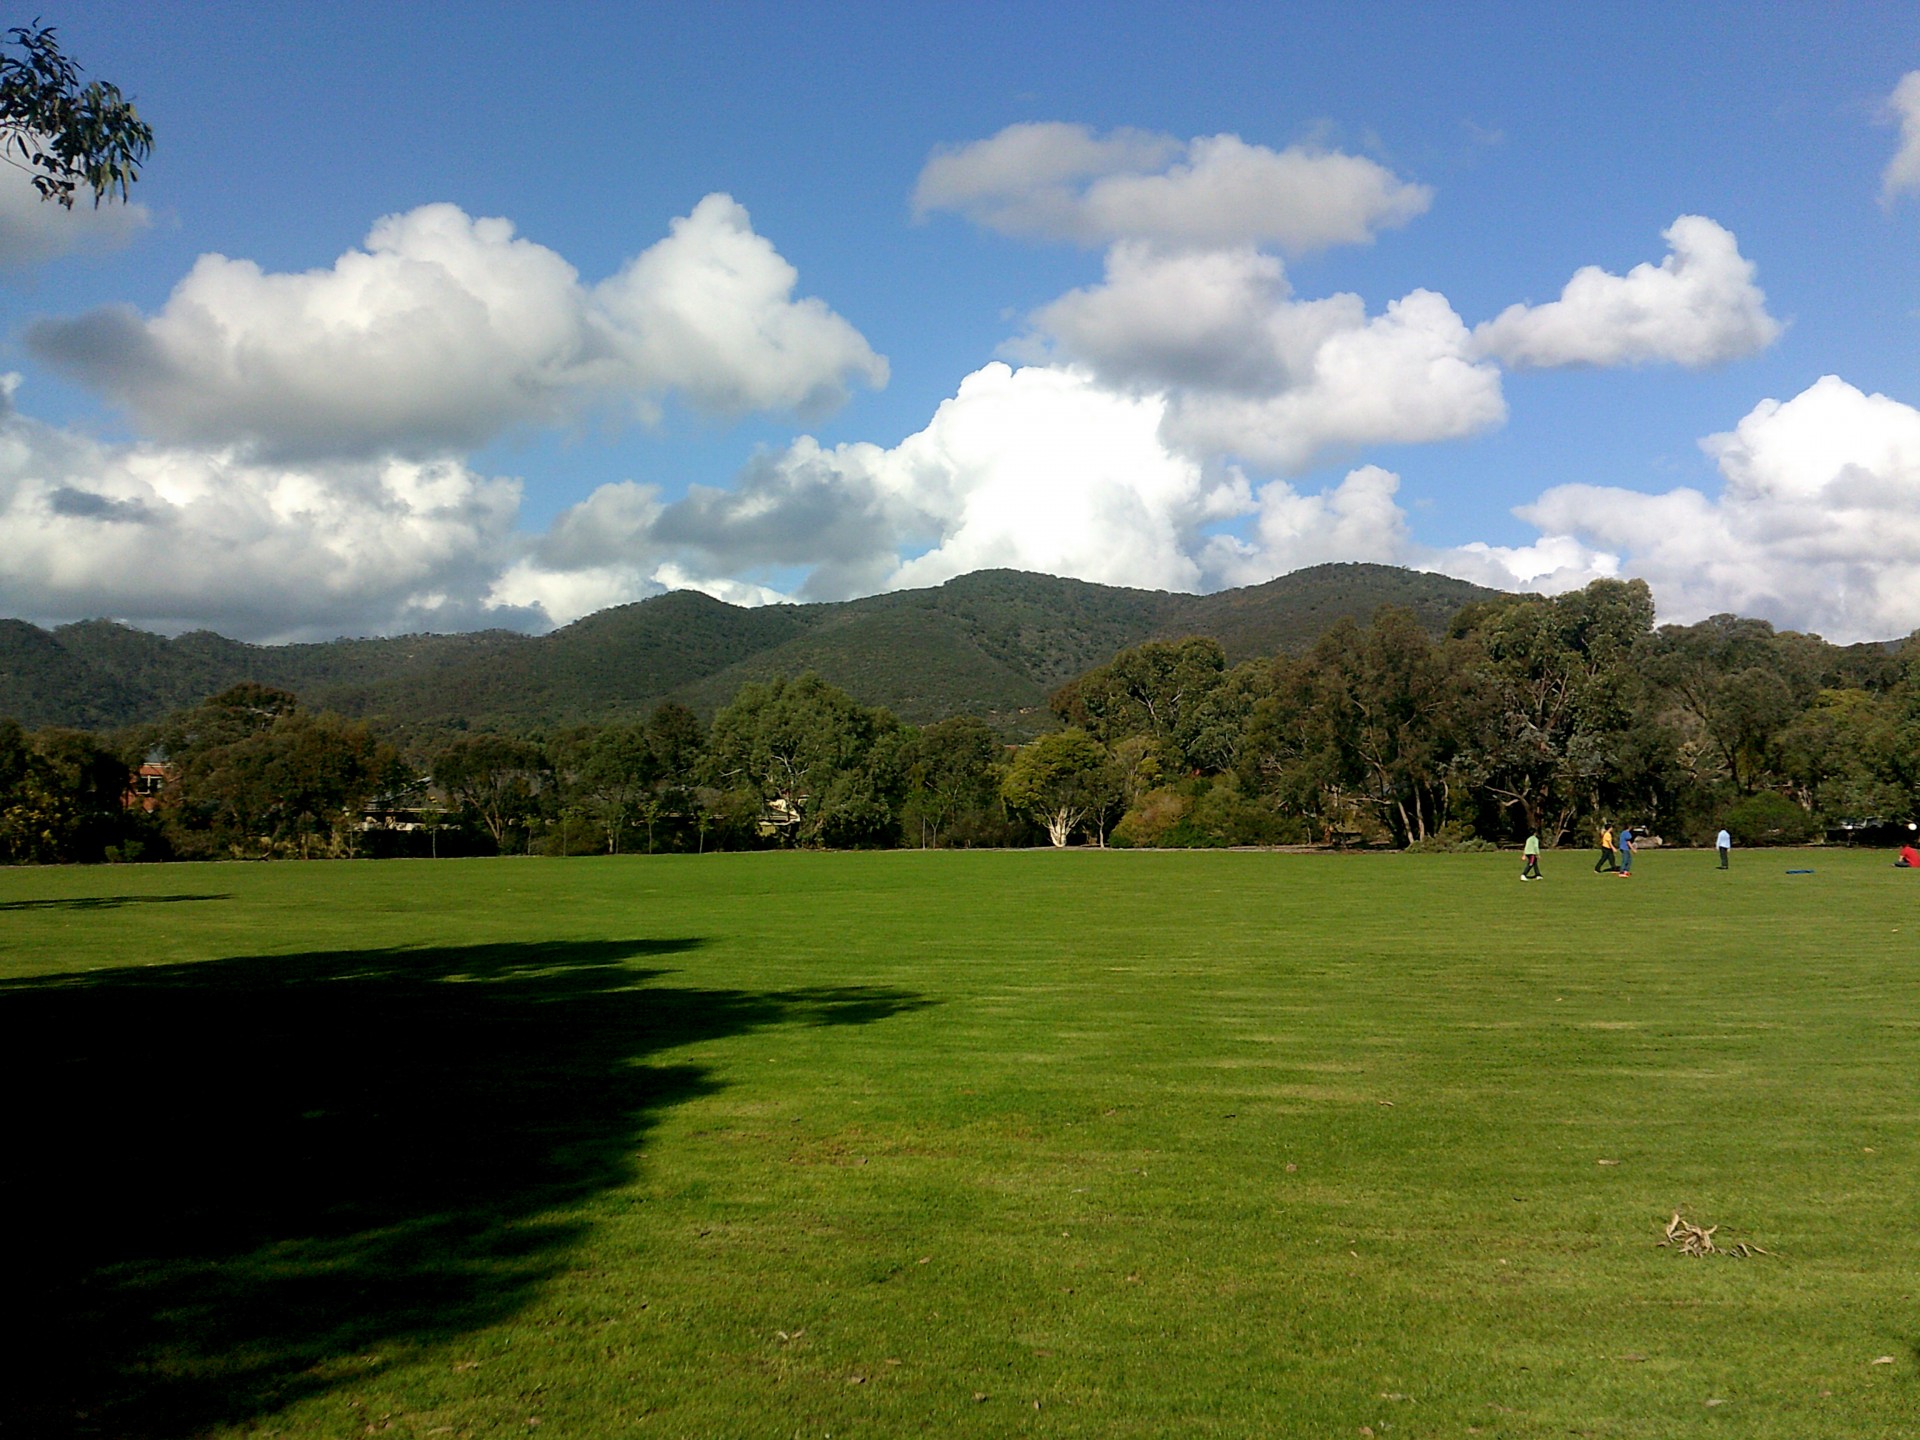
x: 991, y: 644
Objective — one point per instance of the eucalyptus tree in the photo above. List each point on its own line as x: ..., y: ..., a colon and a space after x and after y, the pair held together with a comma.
x: 952, y: 770
x: 496, y: 781
x: 1064, y: 780
x: 824, y: 768
x: 1175, y: 691
x: 259, y: 778
x: 60, y: 796
x: 1558, y: 693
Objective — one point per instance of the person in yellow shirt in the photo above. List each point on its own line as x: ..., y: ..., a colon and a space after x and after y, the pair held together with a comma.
x: 1606, y: 862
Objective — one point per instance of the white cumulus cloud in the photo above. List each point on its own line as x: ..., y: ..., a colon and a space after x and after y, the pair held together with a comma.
x: 1060, y: 181
x: 33, y: 231
x: 1037, y: 468
x: 1903, y: 108
x: 1357, y: 520
x: 1697, y: 307
x: 1817, y: 525
x: 1250, y: 372
x: 1401, y: 377
x: 169, y: 537
x: 445, y: 330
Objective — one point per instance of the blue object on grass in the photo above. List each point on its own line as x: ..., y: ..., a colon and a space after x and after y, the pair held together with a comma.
x: 1799, y: 872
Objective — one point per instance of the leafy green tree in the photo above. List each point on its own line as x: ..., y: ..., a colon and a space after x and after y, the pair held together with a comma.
x: 952, y: 771
x: 1737, y: 685
x: 677, y: 742
x: 1063, y: 780
x: 826, y: 768
x: 1176, y: 692
x: 612, y: 779
x: 1387, y: 699
x: 63, y: 133
x: 60, y: 796
x: 495, y: 780
x: 289, y: 782
x: 1841, y: 755
x: 1289, y: 752
x: 1558, y: 689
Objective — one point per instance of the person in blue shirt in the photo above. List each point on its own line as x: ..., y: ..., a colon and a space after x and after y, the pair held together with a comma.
x: 1626, y: 851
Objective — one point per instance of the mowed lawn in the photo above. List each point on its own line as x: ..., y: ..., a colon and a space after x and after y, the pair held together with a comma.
x: 1077, y: 1144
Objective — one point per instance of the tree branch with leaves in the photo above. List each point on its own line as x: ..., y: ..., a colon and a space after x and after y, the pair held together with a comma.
x: 62, y: 133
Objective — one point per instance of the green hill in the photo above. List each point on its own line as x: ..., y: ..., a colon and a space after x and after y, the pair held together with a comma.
x: 993, y: 644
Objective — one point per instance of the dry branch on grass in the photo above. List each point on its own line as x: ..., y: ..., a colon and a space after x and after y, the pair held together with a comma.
x: 1696, y: 1240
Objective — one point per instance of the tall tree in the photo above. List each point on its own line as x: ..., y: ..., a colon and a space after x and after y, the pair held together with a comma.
x: 1559, y: 688
x: 952, y: 769
x: 60, y: 796
x: 1169, y: 690
x: 1063, y: 780
x: 824, y: 767
x: 248, y: 782
x: 677, y: 741
x: 612, y: 778
x: 495, y: 779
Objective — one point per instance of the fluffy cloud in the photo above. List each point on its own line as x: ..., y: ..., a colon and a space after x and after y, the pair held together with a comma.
x: 1358, y: 519
x: 1699, y: 306
x: 1062, y: 182
x: 1248, y: 371
x: 1817, y: 526
x: 169, y: 537
x: 1039, y: 468
x: 1903, y: 107
x: 1401, y: 377
x: 1043, y: 469
x: 445, y: 330
x: 33, y: 231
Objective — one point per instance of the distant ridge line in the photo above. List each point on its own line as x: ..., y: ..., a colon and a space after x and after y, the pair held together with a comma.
x: 992, y: 643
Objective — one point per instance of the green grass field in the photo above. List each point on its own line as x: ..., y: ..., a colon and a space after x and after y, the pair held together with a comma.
x: 1080, y: 1144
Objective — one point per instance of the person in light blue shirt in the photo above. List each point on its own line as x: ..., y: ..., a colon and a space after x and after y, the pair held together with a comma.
x: 1626, y: 851
x: 1723, y: 842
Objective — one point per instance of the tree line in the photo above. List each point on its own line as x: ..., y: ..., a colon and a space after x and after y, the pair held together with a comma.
x: 1530, y: 714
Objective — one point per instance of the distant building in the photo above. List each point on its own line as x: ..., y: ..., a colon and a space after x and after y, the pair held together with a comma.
x: 145, y: 785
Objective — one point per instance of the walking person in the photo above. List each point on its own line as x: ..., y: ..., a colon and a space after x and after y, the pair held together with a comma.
x: 1626, y: 852
x: 1723, y: 842
x: 1531, y: 869
x: 1606, y: 863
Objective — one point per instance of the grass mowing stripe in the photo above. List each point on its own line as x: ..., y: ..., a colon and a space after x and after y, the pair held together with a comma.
x: 776, y: 1144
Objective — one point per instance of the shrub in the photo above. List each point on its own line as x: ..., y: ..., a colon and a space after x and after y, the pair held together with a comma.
x: 1770, y: 819
x: 1153, y: 816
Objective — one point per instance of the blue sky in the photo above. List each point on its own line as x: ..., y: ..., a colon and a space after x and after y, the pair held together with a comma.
x: 1149, y: 295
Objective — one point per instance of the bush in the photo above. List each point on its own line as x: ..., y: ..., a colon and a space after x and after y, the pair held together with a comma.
x: 1769, y: 819
x: 1151, y: 820
x: 1226, y: 816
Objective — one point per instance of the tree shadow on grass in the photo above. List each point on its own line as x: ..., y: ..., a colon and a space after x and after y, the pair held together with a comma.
x: 103, y: 902
x: 228, y: 1183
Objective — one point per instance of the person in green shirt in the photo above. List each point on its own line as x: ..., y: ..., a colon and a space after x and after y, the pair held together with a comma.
x: 1531, y: 870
